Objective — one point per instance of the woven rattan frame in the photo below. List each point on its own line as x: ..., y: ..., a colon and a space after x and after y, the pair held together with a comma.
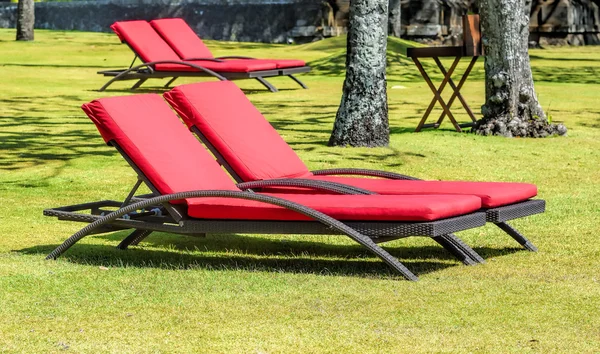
x: 498, y: 215
x: 176, y: 222
x: 146, y: 71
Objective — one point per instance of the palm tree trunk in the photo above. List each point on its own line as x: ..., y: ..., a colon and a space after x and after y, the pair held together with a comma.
x: 362, y: 118
x: 25, y: 20
x: 511, y: 107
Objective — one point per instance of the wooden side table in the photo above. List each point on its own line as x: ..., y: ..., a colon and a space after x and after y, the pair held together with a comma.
x: 470, y: 49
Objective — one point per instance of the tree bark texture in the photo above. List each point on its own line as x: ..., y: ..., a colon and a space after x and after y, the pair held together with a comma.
x: 362, y: 118
x: 25, y: 20
x: 395, y: 18
x: 512, y: 107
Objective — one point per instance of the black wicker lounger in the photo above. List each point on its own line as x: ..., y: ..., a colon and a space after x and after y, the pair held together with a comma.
x: 159, y: 60
x: 186, y: 43
x: 250, y: 149
x: 133, y: 124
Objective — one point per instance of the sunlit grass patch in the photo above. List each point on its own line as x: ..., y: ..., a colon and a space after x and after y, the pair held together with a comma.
x: 285, y: 293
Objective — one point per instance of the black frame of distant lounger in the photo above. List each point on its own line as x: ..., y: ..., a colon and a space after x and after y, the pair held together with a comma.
x: 154, y: 213
x: 499, y: 215
x: 146, y: 71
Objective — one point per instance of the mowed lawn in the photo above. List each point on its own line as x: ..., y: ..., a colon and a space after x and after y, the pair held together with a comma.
x: 286, y: 293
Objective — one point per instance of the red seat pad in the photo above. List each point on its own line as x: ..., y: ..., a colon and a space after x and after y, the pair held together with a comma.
x: 234, y: 66
x: 492, y: 194
x: 287, y: 63
x: 144, y: 40
x: 186, y: 43
x: 341, y: 207
x: 282, y: 63
x: 237, y: 129
x: 150, y: 133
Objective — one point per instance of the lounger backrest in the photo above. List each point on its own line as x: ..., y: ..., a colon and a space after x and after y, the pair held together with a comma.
x: 182, y: 38
x: 229, y: 121
x: 150, y: 133
x: 144, y: 40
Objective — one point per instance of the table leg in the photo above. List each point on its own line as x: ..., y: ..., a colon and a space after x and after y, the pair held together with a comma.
x: 437, y: 93
x: 457, y: 89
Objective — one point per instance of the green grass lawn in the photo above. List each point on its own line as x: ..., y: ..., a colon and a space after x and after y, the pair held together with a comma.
x: 281, y: 293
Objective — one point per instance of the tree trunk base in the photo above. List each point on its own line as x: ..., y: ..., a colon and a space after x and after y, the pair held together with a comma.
x: 516, y: 127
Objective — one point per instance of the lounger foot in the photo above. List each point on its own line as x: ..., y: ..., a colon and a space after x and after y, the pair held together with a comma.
x: 298, y: 81
x: 138, y: 84
x: 459, y: 249
x: 170, y: 82
x: 392, y: 261
x: 517, y: 236
x: 267, y: 84
x: 134, y: 239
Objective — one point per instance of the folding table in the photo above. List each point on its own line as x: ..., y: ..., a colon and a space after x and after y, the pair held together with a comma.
x: 471, y: 49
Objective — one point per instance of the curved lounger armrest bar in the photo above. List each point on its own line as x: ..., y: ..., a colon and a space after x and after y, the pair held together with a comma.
x: 305, y: 183
x: 149, y: 65
x: 234, y: 57
x: 363, y: 172
x: 311, y: 213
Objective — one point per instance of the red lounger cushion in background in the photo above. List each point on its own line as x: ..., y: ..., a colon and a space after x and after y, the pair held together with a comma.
x: 150, y: 46
x: 186, y: 43
x: 234, y: 66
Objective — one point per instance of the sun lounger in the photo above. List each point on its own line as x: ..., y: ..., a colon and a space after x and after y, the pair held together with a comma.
x: 251, y: 150
x: 160, y: 61
x: 192, y: 194
x: 186, y: 43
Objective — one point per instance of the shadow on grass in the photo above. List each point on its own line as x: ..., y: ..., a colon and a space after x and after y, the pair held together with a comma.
x: 578, y: 75
x: 237, y: 252
x: 591, y: 125
x: 152, y: 86
x: 34, y: 65
x: 39, y: 129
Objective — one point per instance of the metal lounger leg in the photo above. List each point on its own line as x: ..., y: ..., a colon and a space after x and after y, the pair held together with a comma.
x: 138, y: 84
x: 171, y: 81
x: 459, y: 249
x: 336, y: 225
x: 517, y: 236
x: 267, y: 84
x: 134, y: 238
x: 298, y: 81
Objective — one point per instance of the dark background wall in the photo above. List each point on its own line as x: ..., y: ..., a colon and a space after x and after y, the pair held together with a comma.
x: 278, y: 21
x: 234, y: 20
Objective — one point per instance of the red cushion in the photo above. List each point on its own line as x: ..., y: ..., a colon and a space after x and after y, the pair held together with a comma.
x: 285, y: 63
x: 235, y: 66
x: 256, y: 151
x: 184, y: 41
x: 492, y: 194
x: 279, y: 63
x: 144, y: 40
x: 150, y: 133
x: 237, y: 129
x: 341, y: 207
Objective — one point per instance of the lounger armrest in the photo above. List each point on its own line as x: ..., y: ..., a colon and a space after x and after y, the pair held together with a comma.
x: 205, y: 59
x: 362, y: 172
x: 299, y: 208
x: 304, y: 183
x: 150, y: 67
x: 234, y: 57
